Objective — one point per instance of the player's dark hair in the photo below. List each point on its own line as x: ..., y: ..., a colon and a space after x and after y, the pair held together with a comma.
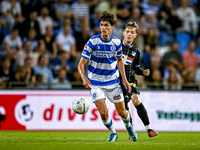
x: 131, y: 25
x: 108, y: 16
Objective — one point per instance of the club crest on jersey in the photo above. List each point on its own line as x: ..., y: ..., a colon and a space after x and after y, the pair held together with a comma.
x: 133, y: 53
x: 113, y: 48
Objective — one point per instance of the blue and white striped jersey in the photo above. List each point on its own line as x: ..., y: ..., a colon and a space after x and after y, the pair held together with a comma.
x: 102, y: 55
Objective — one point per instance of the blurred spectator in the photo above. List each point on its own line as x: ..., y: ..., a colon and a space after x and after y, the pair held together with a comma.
x: 173, y: 56
x: 19, y: 22
x: 168, y: 68
x: 156, y: 77
x: 26, y: 52
x: 13, y: 43
x: 80, y: 13
x: 118, y: 30
x: 62, y: 11
x: 124, y: 11
x: 188, y: 18
x: 92, y: 4
x: 46, y: 3
x: 110, y: 5
x: 41, y: 68
x: 188, y: 76
x: 39, y: 83
x: 94, y: 23
x: 173, y: 82
x: 26, y: 7
x: 41, y: 50
x: 197, y: 77
x: 6, y: 71
x: 30, y: 74
x: 31, y: 37
x: 137, y: 4
x: 10, y: 8
x: 156, y: 64
x: 82, y: 38
x: 168, y: 19
x: 136, y: 16
x: 19, y: 79
x: 61, y: 82
x: 190, y: 58
x: 49, y: 40
x: 45, y: 20
x: 66, y: 41
x: 151, y: 38
x: 152, y: 22
x: 3, y: 32
x: 75, y: 76
x: 150, y: 7
x: 32, y: 22
x: 63, y: 61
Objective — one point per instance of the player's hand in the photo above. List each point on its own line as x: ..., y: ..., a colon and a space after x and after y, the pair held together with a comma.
x: 146, y: 72
x: 86, y: 83
x: 127, y: 85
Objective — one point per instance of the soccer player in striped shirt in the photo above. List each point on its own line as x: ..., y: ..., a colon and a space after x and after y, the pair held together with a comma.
x: 104, y: 52
x: 131, y: 59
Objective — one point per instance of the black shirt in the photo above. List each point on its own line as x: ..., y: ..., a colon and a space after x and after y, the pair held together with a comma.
x: 131, y: 59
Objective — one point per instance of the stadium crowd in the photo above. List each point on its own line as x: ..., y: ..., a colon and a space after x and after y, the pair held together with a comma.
x: 41, y: 40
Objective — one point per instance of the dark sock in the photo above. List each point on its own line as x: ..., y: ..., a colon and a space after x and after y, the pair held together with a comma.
x: 131, y: 120
x: 142, y: 113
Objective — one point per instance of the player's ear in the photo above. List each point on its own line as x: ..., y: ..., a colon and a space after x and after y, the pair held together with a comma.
x: 113, y: 26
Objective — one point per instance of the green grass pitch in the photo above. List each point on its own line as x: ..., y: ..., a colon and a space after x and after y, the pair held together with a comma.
x: 95, y: 140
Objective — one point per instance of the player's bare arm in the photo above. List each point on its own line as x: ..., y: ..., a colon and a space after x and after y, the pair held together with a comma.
x: 120, y: 65
x: 86, y: 82
x: 146, y: 72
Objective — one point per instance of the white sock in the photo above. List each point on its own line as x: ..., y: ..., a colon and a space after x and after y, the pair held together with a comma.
x: 109, y: 124
x: 127, y: 120
x: 147, y: 127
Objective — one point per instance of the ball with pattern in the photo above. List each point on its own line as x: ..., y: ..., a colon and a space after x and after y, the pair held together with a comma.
x: 80, y: 105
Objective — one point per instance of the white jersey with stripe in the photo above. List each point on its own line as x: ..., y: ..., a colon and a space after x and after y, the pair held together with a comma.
x: 102, y: 55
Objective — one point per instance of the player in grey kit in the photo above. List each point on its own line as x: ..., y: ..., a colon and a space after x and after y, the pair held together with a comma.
x: 130, y: 57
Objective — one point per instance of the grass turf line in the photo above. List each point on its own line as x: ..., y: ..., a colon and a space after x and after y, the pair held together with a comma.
x: 95, y: 140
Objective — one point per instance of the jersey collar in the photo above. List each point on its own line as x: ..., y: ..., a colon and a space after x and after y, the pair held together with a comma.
x: 127, y: 45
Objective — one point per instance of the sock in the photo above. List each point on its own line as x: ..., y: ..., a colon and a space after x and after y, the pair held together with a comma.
x: 131, y: 121
x: 127, y: 120
x: 147, y: 127
x: 142, y: 113
x: 109, y: 124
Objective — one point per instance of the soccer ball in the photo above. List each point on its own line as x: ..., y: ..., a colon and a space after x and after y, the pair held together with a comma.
x: 80, y: 105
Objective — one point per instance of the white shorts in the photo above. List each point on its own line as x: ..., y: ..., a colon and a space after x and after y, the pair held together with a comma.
x: 113, y: 93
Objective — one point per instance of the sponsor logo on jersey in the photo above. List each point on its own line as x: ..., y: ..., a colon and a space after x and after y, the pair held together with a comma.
x: 85, y: 46
x: 117, y: 97
x: 129, y: 60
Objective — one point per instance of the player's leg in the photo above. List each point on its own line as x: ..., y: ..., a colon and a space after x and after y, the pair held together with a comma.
x: 120, y: 107
x: 142, y: 113
x: 98, y: 97
x: 107, y: 121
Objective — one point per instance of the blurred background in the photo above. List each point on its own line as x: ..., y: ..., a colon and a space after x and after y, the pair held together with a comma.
x: 41, y: 41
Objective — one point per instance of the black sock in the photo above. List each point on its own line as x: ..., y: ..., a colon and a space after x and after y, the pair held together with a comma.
x: 142, y: 113
x: 131, y: 120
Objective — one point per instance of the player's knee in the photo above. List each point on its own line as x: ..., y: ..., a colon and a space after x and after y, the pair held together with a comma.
x: 123, y: 113
x: 135, y: 99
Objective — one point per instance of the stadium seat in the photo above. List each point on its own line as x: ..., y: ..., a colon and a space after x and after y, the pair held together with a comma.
x: 165, y: 38
x: 183, y: 39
